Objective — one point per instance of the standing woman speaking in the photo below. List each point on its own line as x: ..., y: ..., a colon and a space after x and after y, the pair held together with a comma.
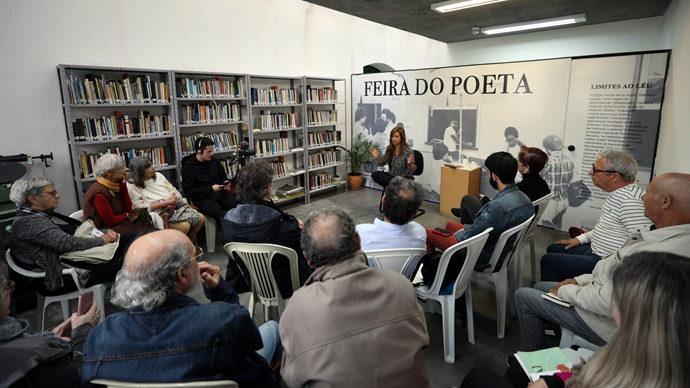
x: 399, y: 157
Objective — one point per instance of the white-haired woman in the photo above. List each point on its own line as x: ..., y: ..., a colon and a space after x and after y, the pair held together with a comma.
x: 40, y: 235
x: 151, y: 190
x: 107, y: 200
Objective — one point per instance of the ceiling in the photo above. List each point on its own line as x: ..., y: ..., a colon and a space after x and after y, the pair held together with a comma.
x: 416, y: 16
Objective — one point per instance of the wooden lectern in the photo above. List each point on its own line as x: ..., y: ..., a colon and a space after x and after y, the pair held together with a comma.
x: 457, y: 182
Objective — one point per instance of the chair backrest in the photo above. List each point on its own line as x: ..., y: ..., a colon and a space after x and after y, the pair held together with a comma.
x: 31, y: 274
x: 190, y: 384
x: 519, y: 233
x: 402, y: 260
x: 540, y: 204
x: 258, y: 257
x: 418, y: 162
x: 78, y: 215
x: 474, y: 247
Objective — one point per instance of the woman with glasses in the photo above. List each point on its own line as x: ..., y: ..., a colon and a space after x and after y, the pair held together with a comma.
x: 44, y: 359
x: 40, y: 235
x: 107, y: 200
x: 151, y: 190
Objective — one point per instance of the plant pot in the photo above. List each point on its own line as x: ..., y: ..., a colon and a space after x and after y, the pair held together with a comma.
x: 354, y: 181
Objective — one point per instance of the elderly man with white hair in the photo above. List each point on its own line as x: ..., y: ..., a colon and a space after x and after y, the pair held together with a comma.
x: 168, y: 336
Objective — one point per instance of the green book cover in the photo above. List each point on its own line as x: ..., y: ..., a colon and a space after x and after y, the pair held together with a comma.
x: 544, y: 362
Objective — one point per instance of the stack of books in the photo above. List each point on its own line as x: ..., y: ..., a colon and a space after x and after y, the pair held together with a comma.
x: 289, y: 191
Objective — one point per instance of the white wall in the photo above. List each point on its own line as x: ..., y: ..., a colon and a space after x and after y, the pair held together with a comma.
x: 273, y: 37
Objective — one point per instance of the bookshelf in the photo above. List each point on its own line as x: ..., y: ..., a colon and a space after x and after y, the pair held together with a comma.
x: 325, y: 130
x: 277, y: 132
x: 117, y: 110
x: 212, y: 105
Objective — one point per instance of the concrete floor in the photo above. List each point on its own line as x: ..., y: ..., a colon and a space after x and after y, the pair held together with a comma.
x: 362, y: 206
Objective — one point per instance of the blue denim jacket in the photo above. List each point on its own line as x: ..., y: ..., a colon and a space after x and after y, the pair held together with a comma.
x: 509, y: 208
x: 181, y: 340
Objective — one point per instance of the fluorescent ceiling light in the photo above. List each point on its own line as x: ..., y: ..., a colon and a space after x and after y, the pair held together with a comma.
x: 545, y: 23
x: 450, y: 6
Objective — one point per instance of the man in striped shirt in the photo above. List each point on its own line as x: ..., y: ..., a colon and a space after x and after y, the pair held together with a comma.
x: 614, y: 172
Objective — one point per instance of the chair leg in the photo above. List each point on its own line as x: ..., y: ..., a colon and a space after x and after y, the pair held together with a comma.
x: 40, y: 316
x: 381, y: 200
x: 533, y: 260
x: 211, y: 230
x: 470, y: 315
x: 252, y: 304
x: 448, y: 314
x: 65, y: 308
x: 501, y: 293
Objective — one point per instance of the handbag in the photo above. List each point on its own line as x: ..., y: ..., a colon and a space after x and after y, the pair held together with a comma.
x: 95, y: 255
x: 178, y: 212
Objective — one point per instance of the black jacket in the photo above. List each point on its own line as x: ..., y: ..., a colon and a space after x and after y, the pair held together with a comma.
x: 533, y: 185
x: 263, y: 222
x: 198, y: 177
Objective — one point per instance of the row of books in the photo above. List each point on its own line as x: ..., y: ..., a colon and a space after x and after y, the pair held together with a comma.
x: 230, y: 167
x: 274, y: 121
x: 274, y: 96
x: 119, y: 126
x: 323, y: 138
x: 319, y: 180
x: 209, y: 88
x: 223, y: 141
x: 315, y: 117
x: 94, y: 89
x: 271, y: 146
x: 324, y: 158
x: 325, y: 95
x: 279, y: 168
x: 159, y: 156
x: 209, y: 113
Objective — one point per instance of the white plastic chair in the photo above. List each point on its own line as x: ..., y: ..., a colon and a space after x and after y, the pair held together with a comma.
x: 210, y: 225
x: 258, y: 257
x: 568, y: 339
x: 190, y: 384
x: 78, y: 215
x: 462, y: 286
x: 540, y: 204
x: 42, y: 301
x: 500, y: 278
x: 402, y: 260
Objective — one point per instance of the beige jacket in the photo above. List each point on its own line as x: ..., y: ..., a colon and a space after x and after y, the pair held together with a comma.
x: 592, y: 294
x: 354, y: 326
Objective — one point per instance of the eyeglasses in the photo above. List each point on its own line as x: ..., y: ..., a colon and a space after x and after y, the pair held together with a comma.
x: 52, y: 193
x: 10, y: 286
x: 595, y: 170
x: 197, y: 255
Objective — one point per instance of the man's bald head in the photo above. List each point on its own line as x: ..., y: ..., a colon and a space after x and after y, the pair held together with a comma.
x: 149, y: 275
x: 667, y: 200
x: 329, y: 237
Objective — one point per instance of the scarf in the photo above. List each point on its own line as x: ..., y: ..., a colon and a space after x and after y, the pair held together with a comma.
x: 108, y: 184
x: 11, y: 328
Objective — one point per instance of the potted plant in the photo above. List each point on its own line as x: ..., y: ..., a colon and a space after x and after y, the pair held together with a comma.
x: 357, y: 154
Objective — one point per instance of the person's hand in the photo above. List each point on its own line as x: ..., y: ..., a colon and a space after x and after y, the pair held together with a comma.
x: 410, y: 159
x: 481, y: 196
x: 374, y: 152
x: 92, y: 316
x: 561, y: 284
x: 210, y: 274
x: 228, y: 186
x: 63, y: 330
x: 113, y: 234
x: 174, y: 198
x: 301, y: 223
x: 569, y: 243
x: 217, y: 188
x: 541, y: 383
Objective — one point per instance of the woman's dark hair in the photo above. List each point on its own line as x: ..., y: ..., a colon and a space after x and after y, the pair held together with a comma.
x: 252, y: 181
x: 137, y: 169
x: 533, y: 157
x: 390, y: 150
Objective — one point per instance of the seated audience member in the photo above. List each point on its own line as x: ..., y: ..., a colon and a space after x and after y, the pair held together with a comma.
x: 652, y: 345
x: 350, y: 325
x: 509, y: 208
x: 48, y: 359
x: 531, y: 161
x: 401, y: 200
x: 205, y: 182
x: 622, y: 213
x: 398, y: 156
x: 40, y: 235
x: 258, y: 220
x: 107, y: 201
x: 151, y: 190
x: 667, y: 204
x: 167, y: 336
